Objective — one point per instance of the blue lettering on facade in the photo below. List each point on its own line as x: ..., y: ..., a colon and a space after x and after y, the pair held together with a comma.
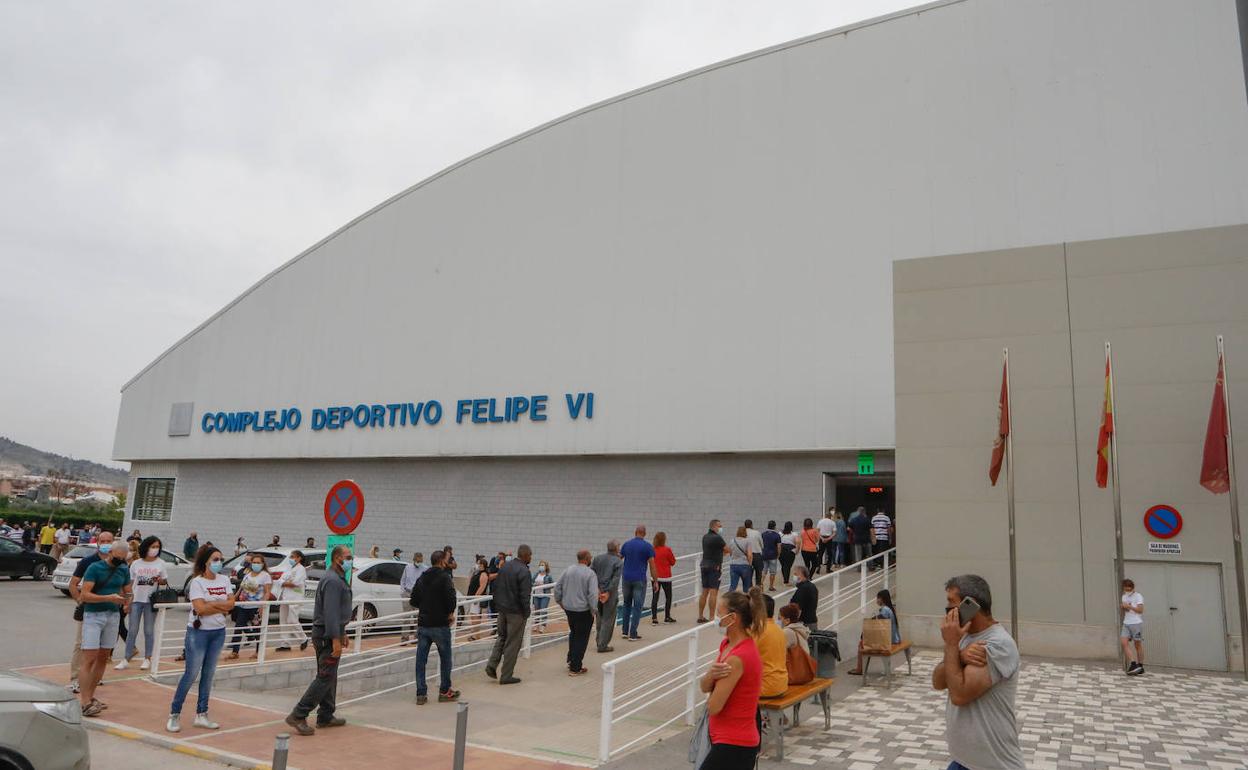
x: 478, y: 411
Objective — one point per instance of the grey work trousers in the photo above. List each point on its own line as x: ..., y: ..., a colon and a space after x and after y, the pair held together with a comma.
x: 606, y: 620
x: 507, y: 645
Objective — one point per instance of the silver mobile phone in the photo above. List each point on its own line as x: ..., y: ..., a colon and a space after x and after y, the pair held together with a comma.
x: 967, y: 609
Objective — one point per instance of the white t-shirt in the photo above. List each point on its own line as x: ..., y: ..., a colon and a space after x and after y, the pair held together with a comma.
x: 756, y: 541
x: 252, y: 587
x: 145, y: 576
x: 62, y: 536
x: 826, y: 527
x: 1131, y: 617
x: 297, y: 576
x: 789, y: 539
x: 217, y: 589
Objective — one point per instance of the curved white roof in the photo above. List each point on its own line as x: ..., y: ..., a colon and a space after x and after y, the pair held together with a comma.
x: 710, y: 256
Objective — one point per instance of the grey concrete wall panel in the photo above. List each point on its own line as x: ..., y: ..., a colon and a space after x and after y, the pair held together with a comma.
x: 1159, y: 299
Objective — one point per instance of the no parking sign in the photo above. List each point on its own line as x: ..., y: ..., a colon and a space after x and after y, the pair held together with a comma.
x: 1163, y: 521
x: 344, y: 507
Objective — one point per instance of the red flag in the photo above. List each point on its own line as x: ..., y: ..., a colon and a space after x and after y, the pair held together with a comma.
x: 1107, y: 430
x: 1003, y: 427
x: 1215, y: 475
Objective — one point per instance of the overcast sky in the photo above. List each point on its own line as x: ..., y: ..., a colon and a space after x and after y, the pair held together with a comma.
x: 157, y: 158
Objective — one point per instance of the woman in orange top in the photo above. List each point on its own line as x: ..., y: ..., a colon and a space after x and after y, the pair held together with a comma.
x: 734, y: 682
x: 664, y: 560
x: 810, y: 547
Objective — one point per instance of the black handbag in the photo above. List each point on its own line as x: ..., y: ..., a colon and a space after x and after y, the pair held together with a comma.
x: 164, y: 595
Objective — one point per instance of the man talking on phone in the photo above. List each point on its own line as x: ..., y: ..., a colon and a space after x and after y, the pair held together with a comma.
x: 331, y: 611
x: 980, y: 672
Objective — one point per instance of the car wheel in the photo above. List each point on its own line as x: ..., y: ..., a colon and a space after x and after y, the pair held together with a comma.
x: 39, y: 572
x: 65, y: 591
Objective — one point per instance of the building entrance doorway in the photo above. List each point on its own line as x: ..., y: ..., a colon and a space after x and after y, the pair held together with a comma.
x: 871, y: 492
x: 1184, y: 616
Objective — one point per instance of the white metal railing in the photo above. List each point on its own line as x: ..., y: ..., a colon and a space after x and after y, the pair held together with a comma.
x: 676, y: 685
x: 383, y: 640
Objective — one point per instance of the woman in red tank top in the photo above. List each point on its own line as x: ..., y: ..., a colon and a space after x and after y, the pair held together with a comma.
x: 734, y: 682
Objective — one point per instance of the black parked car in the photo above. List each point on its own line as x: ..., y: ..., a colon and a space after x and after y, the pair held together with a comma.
x: 18, y: 563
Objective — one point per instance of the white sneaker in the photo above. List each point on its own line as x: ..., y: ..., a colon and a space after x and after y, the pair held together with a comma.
x: 202, y: 720
x: 147, y: 663
x: 73, y: 686
x: 122, y: 666
x: 174, y: 725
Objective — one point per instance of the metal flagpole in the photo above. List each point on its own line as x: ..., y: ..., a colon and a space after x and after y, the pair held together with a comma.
x: 1236, y: 536
x: 1120, y: 567
x: 1009, y: 496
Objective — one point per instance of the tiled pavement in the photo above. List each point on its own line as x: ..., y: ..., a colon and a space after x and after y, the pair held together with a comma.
x: 1071, y: 716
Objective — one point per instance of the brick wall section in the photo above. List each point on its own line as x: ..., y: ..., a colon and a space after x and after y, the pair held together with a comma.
x: 479, y: 505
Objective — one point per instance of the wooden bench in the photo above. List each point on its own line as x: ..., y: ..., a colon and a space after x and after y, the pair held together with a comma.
x: 795, y: 696
x: 887, y: 655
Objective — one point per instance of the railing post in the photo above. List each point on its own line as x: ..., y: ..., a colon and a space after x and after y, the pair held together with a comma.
x: 281, y: 751
x: 359, y: 628
x: 461, y: 735
x: 836, y: 598
x: 862, y: 584
x: 160, y: 639
x: 264, y: 632
x: 604, y: 726
x: 886, y: 554
x: 526, y: 647
x: 691, y: 688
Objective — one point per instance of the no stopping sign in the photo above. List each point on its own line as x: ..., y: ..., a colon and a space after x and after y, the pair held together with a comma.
x: 344, y: 507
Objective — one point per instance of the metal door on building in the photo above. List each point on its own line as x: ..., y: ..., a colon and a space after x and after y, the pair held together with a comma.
x: 1184, y: 614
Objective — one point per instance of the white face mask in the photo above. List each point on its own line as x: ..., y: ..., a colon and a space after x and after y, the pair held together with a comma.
x: 724, y: 628
x: 153, y: 552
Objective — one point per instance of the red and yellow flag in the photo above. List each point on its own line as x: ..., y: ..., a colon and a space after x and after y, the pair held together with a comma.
x: 1003, y: 427
x: 1215, y: 473
x: 1107, y: 429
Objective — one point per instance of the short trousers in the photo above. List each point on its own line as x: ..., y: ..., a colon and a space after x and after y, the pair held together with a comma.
x: 1133, y: 631
x: 99, y: 629
x: 711, y: 576
x: 771, y: 566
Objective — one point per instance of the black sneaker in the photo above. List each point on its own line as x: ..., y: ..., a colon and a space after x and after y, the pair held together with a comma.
x: 1135, y: 669
x: 491, y: 673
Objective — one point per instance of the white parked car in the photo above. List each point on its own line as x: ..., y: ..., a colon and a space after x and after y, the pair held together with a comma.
x: 276, y: 559
x: 179, y: 568
x: 373, y: 581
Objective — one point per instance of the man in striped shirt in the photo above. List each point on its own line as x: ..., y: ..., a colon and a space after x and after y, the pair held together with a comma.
x: 881, y: 534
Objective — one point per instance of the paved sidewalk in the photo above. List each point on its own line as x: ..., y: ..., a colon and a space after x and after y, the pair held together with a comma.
x: 1071, y: 715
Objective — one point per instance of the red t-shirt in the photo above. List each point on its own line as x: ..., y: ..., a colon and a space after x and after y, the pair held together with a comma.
x: 735, y: 724
x: 664, y: 560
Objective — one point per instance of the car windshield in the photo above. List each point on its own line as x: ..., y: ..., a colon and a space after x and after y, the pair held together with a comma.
x: 81, y: 552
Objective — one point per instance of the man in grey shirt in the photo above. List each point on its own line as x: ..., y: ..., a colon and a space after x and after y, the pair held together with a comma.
x: 330, y: 610
x: 756, y: 551
x: 577, y: 593
x: 607, y: 566
x: 980, y: 672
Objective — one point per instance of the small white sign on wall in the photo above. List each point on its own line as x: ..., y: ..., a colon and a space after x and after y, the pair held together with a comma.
x: 1165, y: 549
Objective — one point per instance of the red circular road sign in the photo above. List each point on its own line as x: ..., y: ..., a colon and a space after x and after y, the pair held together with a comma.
x: 344, y: 507
x: 1163, y: 521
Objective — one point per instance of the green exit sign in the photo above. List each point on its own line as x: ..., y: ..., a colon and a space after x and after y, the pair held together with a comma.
x: 866, y: 463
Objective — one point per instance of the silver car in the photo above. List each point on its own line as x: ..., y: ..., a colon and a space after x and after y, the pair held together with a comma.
x: 179, y: 569
x: 40, y: 725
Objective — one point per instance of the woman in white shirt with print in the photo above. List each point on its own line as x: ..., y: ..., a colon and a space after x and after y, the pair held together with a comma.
x: 212, y: 598
x: 290, y: 588
x: 147, y: 573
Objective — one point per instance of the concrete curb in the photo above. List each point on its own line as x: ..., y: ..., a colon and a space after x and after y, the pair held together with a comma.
x: 177, y: 745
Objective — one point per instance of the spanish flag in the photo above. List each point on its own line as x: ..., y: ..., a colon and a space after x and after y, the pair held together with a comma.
x: 1107, y: 428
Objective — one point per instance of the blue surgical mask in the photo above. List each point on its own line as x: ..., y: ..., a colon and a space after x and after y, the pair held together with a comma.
x: 105, y: 548
x: 215, y: 565
x: 256, y: 567
x: 346, y: 565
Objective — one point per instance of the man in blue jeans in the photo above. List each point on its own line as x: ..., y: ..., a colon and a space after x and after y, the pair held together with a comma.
x: 434, y: 596
x: 638, y: 566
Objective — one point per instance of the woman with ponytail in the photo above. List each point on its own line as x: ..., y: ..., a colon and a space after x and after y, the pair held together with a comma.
x: 734, y: 682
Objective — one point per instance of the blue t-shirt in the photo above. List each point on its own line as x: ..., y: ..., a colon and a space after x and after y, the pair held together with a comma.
x: 771, y: 545
x: 885, y: 612
x: 637, y: 553
x: 105, y: 584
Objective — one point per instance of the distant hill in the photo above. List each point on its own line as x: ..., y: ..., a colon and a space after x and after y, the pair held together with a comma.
x: 18, y: 459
